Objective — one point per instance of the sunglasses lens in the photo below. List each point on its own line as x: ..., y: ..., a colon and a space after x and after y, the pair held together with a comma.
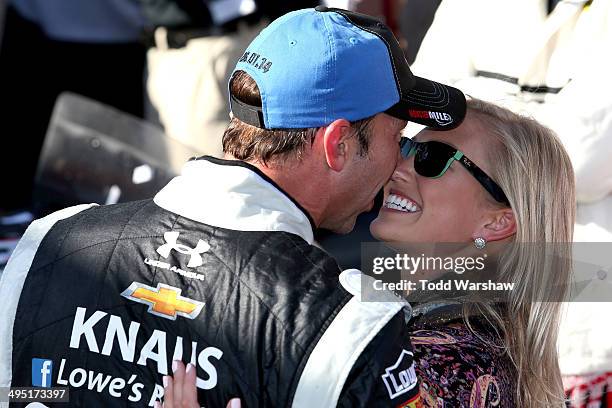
x: 405, y: 146
x: 431, y: 158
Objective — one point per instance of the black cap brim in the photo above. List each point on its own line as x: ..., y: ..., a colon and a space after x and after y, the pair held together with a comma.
x: 431, y: 104
x: 422, y: 101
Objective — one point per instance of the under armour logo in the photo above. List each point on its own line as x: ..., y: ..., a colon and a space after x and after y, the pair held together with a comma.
x: 195, y: 253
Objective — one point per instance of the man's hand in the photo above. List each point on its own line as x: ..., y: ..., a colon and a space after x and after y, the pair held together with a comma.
x: 180, y: 391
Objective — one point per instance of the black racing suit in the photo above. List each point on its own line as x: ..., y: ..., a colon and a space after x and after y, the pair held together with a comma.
x: 112, y: 294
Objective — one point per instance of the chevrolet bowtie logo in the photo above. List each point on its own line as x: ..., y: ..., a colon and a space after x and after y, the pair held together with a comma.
x: 163, y: 301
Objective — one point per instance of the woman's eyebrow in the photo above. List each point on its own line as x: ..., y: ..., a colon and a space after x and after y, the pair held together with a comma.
x: 416, y: 139
x: 450, y: 144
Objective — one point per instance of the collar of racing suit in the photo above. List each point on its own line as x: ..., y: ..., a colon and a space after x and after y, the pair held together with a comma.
x: 234, y: 195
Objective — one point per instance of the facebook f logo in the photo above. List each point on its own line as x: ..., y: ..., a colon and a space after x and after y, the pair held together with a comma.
x: 41, y: 372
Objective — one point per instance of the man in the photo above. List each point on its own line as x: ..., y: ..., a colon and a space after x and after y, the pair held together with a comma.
x: 219, y: 269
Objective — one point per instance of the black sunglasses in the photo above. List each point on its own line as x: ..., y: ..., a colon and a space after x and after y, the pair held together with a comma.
x: 433, y: 158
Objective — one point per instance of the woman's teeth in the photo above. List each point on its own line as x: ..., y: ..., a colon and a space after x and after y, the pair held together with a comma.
x: 398, y: 203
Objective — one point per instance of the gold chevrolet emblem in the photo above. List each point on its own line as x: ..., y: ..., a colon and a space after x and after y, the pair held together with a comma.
x: 163, y: 301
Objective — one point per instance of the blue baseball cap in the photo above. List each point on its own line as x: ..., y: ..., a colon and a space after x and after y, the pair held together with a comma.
x: 314, y: 66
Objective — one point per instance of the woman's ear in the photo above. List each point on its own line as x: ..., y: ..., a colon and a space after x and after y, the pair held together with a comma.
x: 498, y: 225
x: 335, y: 143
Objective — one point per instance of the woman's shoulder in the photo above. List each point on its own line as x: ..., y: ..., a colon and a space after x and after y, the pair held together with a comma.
x: 461, y: 366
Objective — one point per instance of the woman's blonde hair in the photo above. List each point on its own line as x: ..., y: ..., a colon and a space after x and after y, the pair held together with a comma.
x: 534, y: 170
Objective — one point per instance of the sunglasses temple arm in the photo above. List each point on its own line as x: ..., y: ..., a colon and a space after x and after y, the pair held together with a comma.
x: 487, y: 182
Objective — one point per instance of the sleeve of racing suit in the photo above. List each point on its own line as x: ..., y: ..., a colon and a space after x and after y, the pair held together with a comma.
x: 384, y: 374
x: 364, y: 357
x: 13, y: 278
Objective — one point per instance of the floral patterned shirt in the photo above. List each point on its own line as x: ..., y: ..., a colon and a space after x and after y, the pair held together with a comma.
x: 458, y: 368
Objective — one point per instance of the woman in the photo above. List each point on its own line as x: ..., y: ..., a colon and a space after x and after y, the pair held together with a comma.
x: 530, y: 201
x: 501, y: 178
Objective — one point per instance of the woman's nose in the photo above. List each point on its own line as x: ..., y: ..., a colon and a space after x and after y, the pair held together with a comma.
x: 404, y: 169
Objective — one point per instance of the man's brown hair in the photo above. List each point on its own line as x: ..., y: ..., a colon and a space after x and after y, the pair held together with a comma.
x: 250, y: 143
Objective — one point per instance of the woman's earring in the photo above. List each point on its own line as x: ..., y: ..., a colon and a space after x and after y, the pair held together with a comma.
x: 480, y: 243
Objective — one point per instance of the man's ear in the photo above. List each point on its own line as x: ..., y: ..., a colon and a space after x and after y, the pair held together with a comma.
x: 335, y: 143
x: 498, y: 225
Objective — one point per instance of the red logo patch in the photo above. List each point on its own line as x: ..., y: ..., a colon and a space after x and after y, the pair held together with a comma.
x: 418, y: 114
